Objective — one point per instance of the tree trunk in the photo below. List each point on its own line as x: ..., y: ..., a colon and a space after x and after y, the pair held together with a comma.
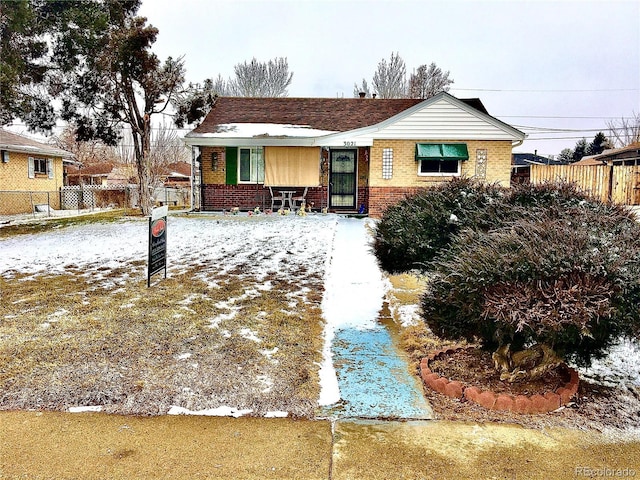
x: 529, y: 364
x: 144, y: 189
x: 143, y: 163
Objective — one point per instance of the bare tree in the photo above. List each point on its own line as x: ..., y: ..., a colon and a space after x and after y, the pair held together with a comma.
x: 389, y: 81
x: 364, y: 88
x: 220, y: 86
x: 85, y: 152
x: 253, y: 79
x: 258, y: 79
x: 625, y: 131
x: 166, y: 148
x: 427, y: 81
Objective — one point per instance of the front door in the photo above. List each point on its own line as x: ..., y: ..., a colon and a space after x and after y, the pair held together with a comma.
x: 342, y: 179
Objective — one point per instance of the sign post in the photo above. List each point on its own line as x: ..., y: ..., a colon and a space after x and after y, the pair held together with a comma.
x: 157, y: 242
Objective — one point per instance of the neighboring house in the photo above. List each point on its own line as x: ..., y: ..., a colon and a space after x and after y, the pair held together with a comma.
x: 177, y: 174
x: 92, y: 174
x: 102, y: 174
x: 521, y: 165
x: 28, y: 166
x: 347, y: 154
x: 627, y: 156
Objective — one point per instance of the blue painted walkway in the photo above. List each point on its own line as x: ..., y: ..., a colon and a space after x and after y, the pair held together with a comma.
x: 372, y: 374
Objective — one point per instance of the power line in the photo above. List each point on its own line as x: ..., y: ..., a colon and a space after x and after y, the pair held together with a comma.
x: 559, y: 117
x: 539, y: 130
x: 553, y: 138
x: 547, y: 90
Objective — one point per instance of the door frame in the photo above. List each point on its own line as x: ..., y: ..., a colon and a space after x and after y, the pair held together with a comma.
x: 355, y: 178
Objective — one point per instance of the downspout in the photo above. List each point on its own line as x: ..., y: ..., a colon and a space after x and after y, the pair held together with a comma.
x: 195, y: 153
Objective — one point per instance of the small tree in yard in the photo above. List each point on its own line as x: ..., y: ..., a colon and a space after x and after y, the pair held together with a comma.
x: 555, y: 284
x: 95, y: 58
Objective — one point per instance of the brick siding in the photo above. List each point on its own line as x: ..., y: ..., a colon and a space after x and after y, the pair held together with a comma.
x: 405, y: 167
x: 248, y: 197
x: 14, y: 175
x: 374, y: 192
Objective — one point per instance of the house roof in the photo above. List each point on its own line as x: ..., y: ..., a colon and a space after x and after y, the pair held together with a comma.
x: 524, y: 159
x: 340, y: 121
x: 91, y: 170
x: 319, y: 116
x: 14, y: 142
x: 631, y: 151
x: 179, y: 169
x: 589, y: 161
x: 324, y: 114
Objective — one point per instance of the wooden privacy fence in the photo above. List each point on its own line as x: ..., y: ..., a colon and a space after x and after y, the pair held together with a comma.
x: 616, y: 183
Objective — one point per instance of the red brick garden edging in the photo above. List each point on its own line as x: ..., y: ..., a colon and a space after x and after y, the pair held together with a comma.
x: 537, y: 403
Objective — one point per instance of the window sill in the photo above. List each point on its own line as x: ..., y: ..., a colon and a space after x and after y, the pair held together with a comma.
x: 435, y: 174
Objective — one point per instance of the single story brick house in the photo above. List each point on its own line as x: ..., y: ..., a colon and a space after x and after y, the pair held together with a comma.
x: 28, y: 166
x: 345, y: 154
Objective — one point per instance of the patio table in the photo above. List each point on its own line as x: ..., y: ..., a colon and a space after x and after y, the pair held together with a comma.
x: 287, y: 194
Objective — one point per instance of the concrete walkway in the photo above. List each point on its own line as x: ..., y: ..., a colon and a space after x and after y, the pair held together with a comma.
x: 36, y: 445
x: 373, y: 377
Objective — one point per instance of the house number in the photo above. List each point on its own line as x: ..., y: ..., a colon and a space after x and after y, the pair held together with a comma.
x: 349, y: 144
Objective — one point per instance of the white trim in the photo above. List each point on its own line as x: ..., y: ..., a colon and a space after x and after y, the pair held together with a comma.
x: 251, y: 150
x: 37, y: 151
x: 440, y: 174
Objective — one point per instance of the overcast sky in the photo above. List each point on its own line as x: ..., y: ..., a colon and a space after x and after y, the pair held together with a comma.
x: 562, y: 64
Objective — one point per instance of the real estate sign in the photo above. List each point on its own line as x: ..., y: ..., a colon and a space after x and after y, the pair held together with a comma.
x: 157, y: 242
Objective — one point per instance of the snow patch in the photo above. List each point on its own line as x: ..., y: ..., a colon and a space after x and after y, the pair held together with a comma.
x: 95, y: 408
x: 223, y: 411
x: 249, y: 335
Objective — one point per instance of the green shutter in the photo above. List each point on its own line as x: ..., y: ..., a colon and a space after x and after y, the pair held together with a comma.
x: 231, y: 157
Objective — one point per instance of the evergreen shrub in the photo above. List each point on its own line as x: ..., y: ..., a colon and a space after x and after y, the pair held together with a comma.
x: 563, y: 271
x: 412, y: 232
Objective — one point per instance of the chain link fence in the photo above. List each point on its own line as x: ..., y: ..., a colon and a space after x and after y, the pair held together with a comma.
x: 84, y: 198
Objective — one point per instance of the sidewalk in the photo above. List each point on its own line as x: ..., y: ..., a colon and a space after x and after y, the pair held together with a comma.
x: 365, y: 373
x: 89, y: 446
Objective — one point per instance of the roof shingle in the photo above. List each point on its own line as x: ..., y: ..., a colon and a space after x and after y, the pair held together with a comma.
x: 333, y: 114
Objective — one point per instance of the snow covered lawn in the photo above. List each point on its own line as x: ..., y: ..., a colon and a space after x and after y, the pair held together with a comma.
x: 236, y: 328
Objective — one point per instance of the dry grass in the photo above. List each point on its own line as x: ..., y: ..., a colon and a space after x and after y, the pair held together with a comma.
x: 79, y: 339
x: 46, y: 224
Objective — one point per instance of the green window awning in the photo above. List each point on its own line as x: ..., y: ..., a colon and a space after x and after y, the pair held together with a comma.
x: 442, y: 151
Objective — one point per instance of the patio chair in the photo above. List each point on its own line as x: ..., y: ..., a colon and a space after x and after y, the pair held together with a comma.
x: 298, y: 200
x: 276, y: 198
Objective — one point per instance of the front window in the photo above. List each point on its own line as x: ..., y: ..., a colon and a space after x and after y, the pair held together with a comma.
x: 40, y: 165
x: 438, y: 167
x: 251, y: 165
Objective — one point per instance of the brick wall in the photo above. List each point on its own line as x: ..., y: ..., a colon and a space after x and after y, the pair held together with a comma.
x: 248, y: 197
x: 209, y: 175
x: 14, y: 175
x: 374, y: 192
x: 406, y: 181
x: 381, y: 197
x: 217, y: 196
x: 405, y: 167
